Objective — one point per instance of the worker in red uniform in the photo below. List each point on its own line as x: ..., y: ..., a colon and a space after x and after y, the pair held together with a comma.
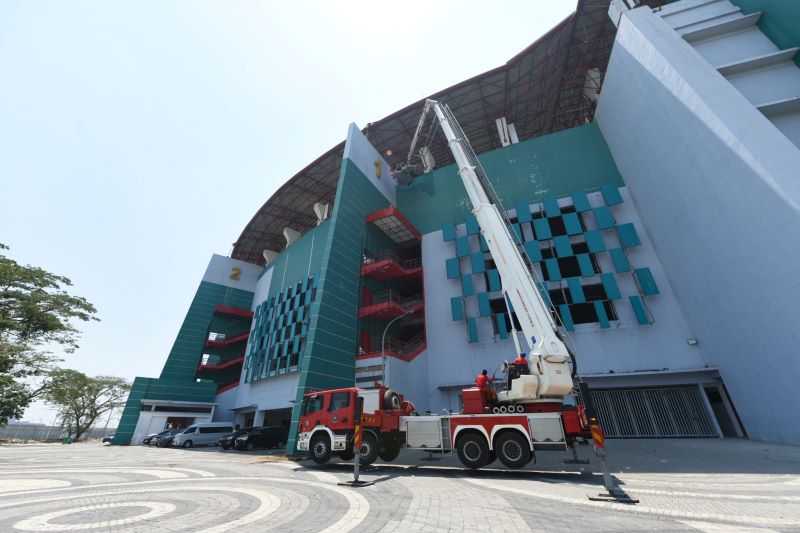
x: 522, y: 364
x: 482, y: 382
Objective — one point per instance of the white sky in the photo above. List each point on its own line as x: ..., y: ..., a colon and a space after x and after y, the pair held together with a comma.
x: 137, y: 138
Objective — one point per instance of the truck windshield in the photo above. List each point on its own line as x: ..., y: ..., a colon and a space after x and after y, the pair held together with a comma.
x: 312, y: 405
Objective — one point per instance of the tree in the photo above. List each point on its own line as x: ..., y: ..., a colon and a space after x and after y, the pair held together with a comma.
x: 81, y: 399
x: 36, y: 313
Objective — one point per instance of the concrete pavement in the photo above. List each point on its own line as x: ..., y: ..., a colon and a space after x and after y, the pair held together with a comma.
x: 684, y: 485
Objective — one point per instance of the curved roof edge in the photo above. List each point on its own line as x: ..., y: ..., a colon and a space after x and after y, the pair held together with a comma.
x: 540, y: 90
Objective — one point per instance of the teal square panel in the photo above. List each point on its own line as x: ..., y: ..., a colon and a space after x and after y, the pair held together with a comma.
x: 484, y: 244
x: 628, y: 236
x: 602, y: 317
x: 542, y: 229
x: 581, y: 201
x: 594, y: 240
x: 457, y: 308
x: 467, y: 287
x: 585, y: 262
x: 453, y: 266
x: 611, y: 194
x: 572, y: 223
x: 639, y: 310
x: 448, y: 231
x: 563, y: 246
x: 545, y: 294
x: 472, y: 225
x: 516, y: 232
x: 551, y: 208
x: 477, y: 262
x: 566, y: 317
x: 552, y: 269
x: 610, y: 285
x: 472, y: 329
x: 523, y: 213
x: 494, y: 280
x: 576, y: 291
x: 603, y: 217
x: 646, y: 281
x: 462, y: 246
x: 620, y: 260
x: 502, y: 327
x: 484, y: 309
x: 533, y: 250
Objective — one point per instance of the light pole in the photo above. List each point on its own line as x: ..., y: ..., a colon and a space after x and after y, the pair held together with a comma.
x: 383, y: 341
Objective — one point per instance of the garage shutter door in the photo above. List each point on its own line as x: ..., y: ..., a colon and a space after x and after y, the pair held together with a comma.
x: 655, y: 412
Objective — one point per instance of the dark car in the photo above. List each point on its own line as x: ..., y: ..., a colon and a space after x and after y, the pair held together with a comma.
x: 165, y: 440
x: 266, y: 437
x: 154, y: 437
x: 108, y: 439
x: 227, y: 441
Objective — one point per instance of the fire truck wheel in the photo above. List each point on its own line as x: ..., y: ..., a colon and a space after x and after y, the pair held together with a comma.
x: 369, y: 449
x: 389, y: 453
x: 513, y: 450
x: 473, y: 450
x: 346, y: 455
x: 492, y: 458
x: 391, y: 400
x: 320, y: 447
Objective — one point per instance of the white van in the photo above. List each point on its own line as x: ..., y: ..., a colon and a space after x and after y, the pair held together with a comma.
x: 207, y: 433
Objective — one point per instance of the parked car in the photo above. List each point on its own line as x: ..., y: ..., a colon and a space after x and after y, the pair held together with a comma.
x: 206, y: 433
x: 266, y: 437
x: 148, y: 440
x: 228, y: 440
x: 108, y: 439
x: 165, y: 440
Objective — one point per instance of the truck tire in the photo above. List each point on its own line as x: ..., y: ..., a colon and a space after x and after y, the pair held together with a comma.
x: 473, y: 451
x: 369, y: 449
x: 346, y: 455
x: 391, y: 400
x: 513, y: 449
x: 389, y: 453
x: 320, y: 448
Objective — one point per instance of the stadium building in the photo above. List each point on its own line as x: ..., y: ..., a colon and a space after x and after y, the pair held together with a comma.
x: 647, y: 157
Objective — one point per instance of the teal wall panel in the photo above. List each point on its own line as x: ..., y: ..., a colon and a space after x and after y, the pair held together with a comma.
x: 585, y: 264
x: 448, y: 231
x: 483, y: 305
x: 639, y: 310
x: 467, y: 286
x: 542, y: 229
x: 477, y: 263
x: 329, y: 358
x: 610, y: 285
x: 628, y: 236
x: 620, y: 260
x: 533, y: 250
x: 563, y: 246
x: 603, y: 217
x: 462, y: 246
x: 453, y: 266
x: 548, y: 164
x: 472, y: 225
x: 572, y: 224
x: 594, y: 240
x: 494, y: 280
x: 551, y: 208
x: 553, y: 272
x: 602, y: 316
x: 576, y: 291
x: 566, y: 317
x: 581, y: 201
x: 502, y: 327
x: 646, y: 281
x: 457, y: 308
x: 472, y: 329
x: 523, y: 212
x: 611, y: 194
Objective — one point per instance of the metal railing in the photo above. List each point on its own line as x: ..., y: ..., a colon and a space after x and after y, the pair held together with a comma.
x: 407, y: 264
x: 391, y: 296
x: 393, y: 344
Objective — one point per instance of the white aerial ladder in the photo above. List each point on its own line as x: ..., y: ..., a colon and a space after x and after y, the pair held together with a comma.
x: 550, y: 377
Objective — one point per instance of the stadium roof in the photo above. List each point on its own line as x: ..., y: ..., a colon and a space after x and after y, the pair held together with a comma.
x: 541, y: 90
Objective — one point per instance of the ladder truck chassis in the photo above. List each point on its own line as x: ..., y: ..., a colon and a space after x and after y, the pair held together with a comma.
x: 327, y: 428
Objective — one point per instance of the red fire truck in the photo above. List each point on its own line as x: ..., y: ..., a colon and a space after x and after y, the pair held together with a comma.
x: 479, y: 436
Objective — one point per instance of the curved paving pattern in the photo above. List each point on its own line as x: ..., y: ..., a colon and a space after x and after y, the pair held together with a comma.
x: 86, y: 487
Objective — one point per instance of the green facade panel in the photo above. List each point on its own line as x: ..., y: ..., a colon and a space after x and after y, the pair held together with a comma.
x: 548, y: 164
x: 329, y: 358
